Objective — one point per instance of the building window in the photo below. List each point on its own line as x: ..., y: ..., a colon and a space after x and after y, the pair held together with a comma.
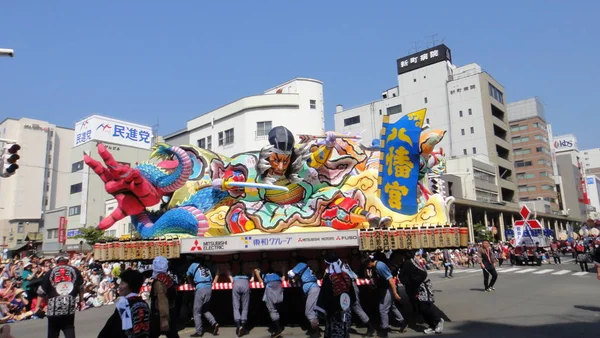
x: 485, y: 196
x: 524, y: 188
x: 458, y: 90
x: 472, y: 86
x: 544, y: 162
x: 547, y: 187
x: 425, y: 100
x: 75, y: 188
x: 313, y: 104
x: 466, y: 88
x: 523, y: 176
x: 76, y: 210
x: 542, y: 150
x: 221, y: 139
x: 520, y: 139
x: 20, y: 228
x: 229, y: 136
x: 544, y: 174
x: 394, y: 110
x: 379, y: 111
x: 427, y: 120
x: 52, y: 233
x: 49, y: 159
x: 202, y: 143
x: 352, y: 120
x: 464, y: 151
x: 522, y: 151
x: 49, y: 145
x: 496, y: 93
x: 263, y: 128
x: 521, y: 164
x: 470, y: 111
x: 474, y: 150
x: 539, y: 125
x: 540, y: 138
x: 460, y: 113
x: 47, y: 187
x: 76, y: 166
x: 451, y: 92
x: 462, y: 131
x: 472, y: 130
x: 484, y: 176
x: 208, y: 142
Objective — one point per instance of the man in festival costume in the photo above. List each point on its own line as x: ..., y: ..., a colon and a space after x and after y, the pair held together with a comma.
x: 131, y: 318
x: 61, y: 286
x: 162, y: 301
x: 312, y: 197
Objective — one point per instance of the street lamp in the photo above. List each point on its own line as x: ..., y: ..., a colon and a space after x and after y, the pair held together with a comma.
x: 7, y: 52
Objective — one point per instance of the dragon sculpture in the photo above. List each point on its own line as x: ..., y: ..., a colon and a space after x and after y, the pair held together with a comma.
x: 332, y: 183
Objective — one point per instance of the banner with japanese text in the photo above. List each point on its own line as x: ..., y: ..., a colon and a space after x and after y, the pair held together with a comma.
x: 399, y: 162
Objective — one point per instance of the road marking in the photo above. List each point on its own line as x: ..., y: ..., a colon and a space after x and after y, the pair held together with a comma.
x: 471, y: 271
x: 510, y: 270
x: 526, y: 270
x: 562, y: 272
x: 541, y: 272
x: 581, y: 273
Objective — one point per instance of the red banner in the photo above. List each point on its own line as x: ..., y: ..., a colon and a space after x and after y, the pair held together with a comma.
x: 62, y: 230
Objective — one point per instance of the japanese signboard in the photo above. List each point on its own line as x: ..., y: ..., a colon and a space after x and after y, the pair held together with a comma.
x: 283, y: 241
x: 424, y: 58
x: 399, y: 162
x: 103, y: 129
x: 565, y: 143
x: 62, y: 230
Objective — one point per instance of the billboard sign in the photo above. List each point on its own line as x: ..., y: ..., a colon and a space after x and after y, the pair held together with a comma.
x: 104, y: 129
x: 424, y: 58
x: 565, y: 143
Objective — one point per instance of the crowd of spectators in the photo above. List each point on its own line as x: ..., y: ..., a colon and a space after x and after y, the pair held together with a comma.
x: 21, y: 278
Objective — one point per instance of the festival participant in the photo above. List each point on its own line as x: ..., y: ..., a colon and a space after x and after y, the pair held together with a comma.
x: 131, y: 318
x: 162, y: 301
x: 356, y: 307
x: 273, y: 297
x: 388, y: 295
x: 310, y: 197
x: 311, y: 292
x: 488, y: 266
x: 448, y: 263
x: 61, y: 286
x: 200, y: 276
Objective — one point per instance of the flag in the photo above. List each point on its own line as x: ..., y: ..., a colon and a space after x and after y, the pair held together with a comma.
x: 399, y: 162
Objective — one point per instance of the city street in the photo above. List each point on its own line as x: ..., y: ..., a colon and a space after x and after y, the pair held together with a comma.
x: 547, y: 301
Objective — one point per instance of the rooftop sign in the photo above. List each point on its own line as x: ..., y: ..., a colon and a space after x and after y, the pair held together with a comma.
x: 424, y: 58
x: 103, y: 129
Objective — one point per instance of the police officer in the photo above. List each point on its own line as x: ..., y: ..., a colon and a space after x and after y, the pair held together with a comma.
x: 311, y: 292
x: 241, y: 300
x: 388, y: 293
x: 199, y: 275
x: 356, y: 307
x: 273, y: 297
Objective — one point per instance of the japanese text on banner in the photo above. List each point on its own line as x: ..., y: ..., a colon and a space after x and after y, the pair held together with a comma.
x: 399, y: 163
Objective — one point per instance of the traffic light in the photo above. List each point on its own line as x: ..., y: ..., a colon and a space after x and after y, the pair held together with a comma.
x: 10, y: 157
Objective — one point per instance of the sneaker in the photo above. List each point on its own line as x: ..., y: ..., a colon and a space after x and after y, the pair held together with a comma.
x: 440, y: 327
x: 403, y: 326
x: 216, y: 329
x: 492, y: 288
x: 429, y: 331
x: 196, y: 334
x: 487, y: 290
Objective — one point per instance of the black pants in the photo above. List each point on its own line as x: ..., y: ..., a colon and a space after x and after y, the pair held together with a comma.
x: 583, y: 264
x: 66, y: 324
x: 155, y: 329
x: 430, y: 313
x: 557, y: 260
x: 451, y: 267
x: 486, y: 278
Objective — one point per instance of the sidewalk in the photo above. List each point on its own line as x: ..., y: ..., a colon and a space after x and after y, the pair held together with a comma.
x: 261, y: 332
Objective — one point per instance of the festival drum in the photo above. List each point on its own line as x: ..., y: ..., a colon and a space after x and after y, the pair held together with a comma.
x: 464, y: 236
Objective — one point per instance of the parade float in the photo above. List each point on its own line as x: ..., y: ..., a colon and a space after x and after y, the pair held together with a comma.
x: 322, y: 192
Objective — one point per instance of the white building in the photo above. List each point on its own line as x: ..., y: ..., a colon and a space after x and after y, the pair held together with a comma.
x: 243, y: 125
x: 591, y: 161
x: 593, y: 189
x: 86, y: 197
x: 465, y: 101
x: 40, y: 183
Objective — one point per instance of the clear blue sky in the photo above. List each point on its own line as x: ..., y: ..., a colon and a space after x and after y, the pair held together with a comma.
x: 149, y: 60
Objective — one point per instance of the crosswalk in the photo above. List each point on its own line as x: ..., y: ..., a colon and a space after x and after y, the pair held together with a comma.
x: 521, y: 270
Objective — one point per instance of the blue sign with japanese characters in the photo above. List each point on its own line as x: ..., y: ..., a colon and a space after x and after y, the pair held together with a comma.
x: 399, y: 163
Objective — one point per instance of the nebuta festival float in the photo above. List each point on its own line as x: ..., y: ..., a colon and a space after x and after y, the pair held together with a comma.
x: 327, y: 191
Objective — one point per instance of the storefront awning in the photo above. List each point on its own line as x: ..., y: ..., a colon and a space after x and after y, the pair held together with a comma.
x: 18, y: 247
x: 34, y: 236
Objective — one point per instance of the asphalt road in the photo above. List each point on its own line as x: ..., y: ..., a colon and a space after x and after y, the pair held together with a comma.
x: 547, y: 301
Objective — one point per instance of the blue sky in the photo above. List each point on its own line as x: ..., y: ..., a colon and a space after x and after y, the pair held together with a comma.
x: 145, y: 61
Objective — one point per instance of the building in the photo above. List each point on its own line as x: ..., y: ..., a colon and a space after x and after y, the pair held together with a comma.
x: 569, y: 176
x: 129, y: 144
x: 243, y: 125
x: 40, y: 183
x: 591, y: 161
x: 465, y: 101
x: 532, y: 155
x: 593, y: 190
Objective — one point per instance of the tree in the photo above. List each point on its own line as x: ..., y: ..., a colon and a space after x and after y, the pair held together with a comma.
x: 92, y: 235
x: 481, y: 233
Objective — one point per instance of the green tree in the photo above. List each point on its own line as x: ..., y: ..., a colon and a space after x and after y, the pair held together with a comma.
x: 92, y: 235
x: 481, y: 233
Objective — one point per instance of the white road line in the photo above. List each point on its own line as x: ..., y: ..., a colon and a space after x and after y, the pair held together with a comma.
x: 541, y: 272
x: 526, y: 270
x: 581, y: 273
x: 511, y: 269
x: 562, y: 272
x: 472, y: 271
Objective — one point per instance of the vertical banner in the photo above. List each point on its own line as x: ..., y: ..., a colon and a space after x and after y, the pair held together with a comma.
x: 399, y: 162
x: 85, y: 173
x: 62, y: 230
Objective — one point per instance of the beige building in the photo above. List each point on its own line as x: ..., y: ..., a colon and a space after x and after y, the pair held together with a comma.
x: 533, y: 155
x: 38, y: 185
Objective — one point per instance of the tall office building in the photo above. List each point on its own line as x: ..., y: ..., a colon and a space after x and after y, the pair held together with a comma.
x: 532, y: 155
x: 129, y: 143
x: 465, y: 101
x: 40, y: 183
x: 591, y: 161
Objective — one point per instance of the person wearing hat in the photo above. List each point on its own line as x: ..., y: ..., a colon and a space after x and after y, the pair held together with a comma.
x: 336, y: 298
x: 388, y: 294
x: 61, y: 286
x: 420, y: 291
x: 163, y: 295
